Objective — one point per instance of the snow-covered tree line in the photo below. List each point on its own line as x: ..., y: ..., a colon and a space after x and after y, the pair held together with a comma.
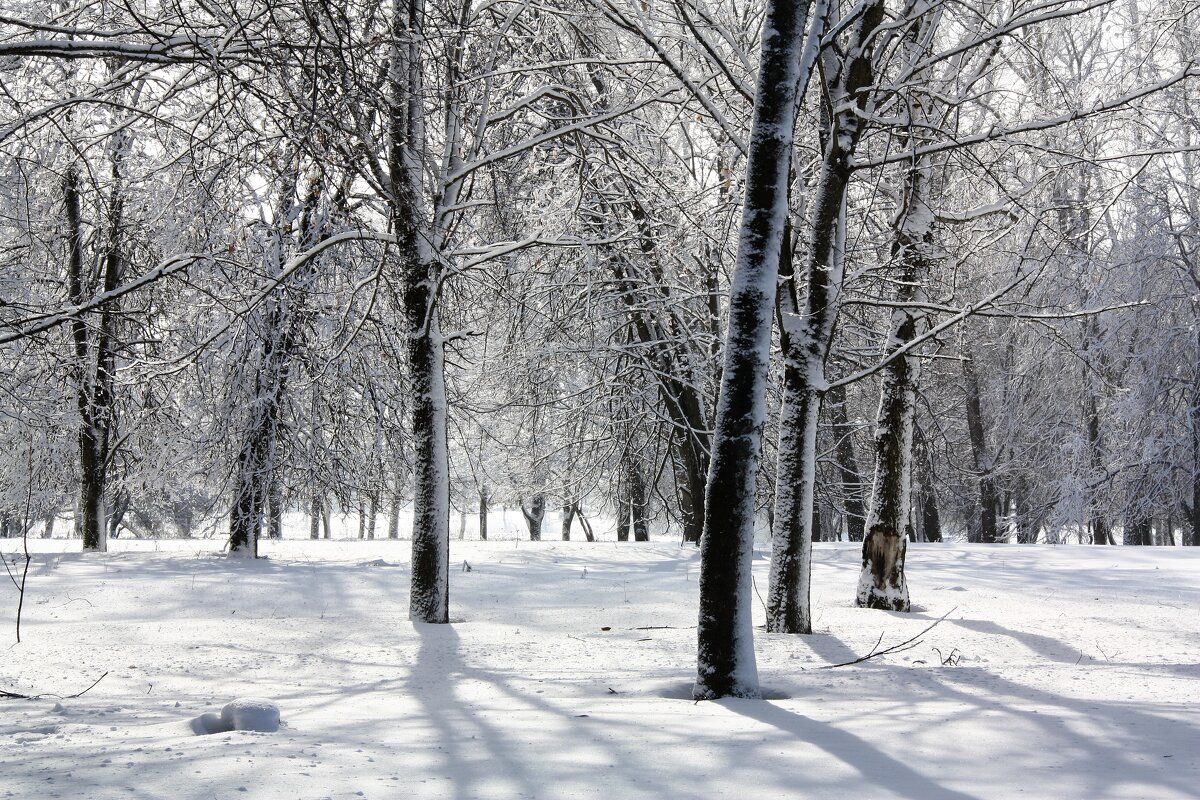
x: 276, y: 256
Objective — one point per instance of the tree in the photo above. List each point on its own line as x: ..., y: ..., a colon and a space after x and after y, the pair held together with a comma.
x: 725, y: 655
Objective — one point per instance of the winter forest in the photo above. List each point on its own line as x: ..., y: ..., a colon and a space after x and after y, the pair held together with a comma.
x: 778, y: 287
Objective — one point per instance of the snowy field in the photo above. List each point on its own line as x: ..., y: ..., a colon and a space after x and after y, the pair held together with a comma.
x: 1070, y: 672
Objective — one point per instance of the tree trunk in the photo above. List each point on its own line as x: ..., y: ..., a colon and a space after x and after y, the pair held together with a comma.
x: 393, y: 530
x: 483, y: 514
x: 417, y: 261
x: 314, y: 523
x: 882, y: 584
x: 805, y: 338
x: 637, y: 501
x: 1101, y: 534
x: 583, y: 523
x: 931, y: 521
x: 568, y: 515
x: 852, y: 489
x: 980, y: 453
x: 534, y: 516
x: 275, y: 504
x: 725, y: 635
x: 92, y: 380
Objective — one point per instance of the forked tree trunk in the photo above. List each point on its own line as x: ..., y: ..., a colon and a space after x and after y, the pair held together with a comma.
x: 805, y: 336
x: 725, y: 664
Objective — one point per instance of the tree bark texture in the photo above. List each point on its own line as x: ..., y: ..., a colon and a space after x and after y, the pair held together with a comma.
x: 725, y: 647
x: 805, y: 337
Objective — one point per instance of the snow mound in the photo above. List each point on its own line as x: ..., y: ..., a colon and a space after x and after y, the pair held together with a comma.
x: 243, y: 714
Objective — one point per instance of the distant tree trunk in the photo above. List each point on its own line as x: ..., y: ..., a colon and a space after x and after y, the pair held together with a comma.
x: 534, y: 516
x: 988, y: 498
x: 314, y: 523
x: 1139, y: 531
x: 117, y: 515
x: 48, y: 528
x: 624, y: 511
x: 931, y: 521
x: 855, y: 515
x: 275, y: 504
x: 257, y: 461
x: 92, y: 372
x: 483, y: 513
x: 725, y: 650
x: 362, y: 520
x: 372, y: 513
x: 1101, y: 534
x: 637, y: 501
x: 583, y: 523
x: 568, y: 515
x: 393, y: 531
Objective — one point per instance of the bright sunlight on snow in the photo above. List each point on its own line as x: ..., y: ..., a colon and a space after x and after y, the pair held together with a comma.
x: 1057, y: 673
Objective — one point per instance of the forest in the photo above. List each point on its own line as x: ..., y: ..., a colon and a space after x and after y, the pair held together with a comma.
x: 817, y: 270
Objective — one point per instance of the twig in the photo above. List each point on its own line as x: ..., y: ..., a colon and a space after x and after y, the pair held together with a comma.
x: 18, y: 696
x: 663, y: 628
x: 908, y: 644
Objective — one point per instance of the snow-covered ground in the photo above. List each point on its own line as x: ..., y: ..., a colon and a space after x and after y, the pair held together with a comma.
x: 1071, y: 672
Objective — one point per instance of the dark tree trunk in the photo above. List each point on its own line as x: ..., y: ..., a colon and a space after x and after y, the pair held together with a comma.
x: 258, y: 460
x: 393, y: 530
x: 988, y: 498
x: 852, y: 489
x: 637, y: 501
x: 418, y: 262
x: 883, y: 585
x: 534, y: 516
x: 314, y: 523
x: 931, y: 521
x: 92, y: 374
x: 483, y: 514
x: 725, y: 651
x: 1139, y: 531
x: 1101, y: 533
x: 275, y: 504
x: 805, y: 336
x: 568, y: 516
x: 583, y: 523
x: 623, y: 512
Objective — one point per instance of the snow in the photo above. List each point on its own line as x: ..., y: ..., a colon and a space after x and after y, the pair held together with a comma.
x: 567, y: 675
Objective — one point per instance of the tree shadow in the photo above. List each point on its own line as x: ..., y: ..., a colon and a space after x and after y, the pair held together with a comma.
x: 873, y: 764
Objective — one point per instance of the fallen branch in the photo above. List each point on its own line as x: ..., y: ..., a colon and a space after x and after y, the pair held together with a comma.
x: 7, y: 695
x: 908, y: 644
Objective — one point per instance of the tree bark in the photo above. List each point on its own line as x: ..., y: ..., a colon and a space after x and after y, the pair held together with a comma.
x: 534, y: 516
x: 988, y: 498
x: 852, y: 487
x: 483, y: 514
x: 725, y: 647
x: 805, y: 338
x: 931, y: 521
x: 92, y: 375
